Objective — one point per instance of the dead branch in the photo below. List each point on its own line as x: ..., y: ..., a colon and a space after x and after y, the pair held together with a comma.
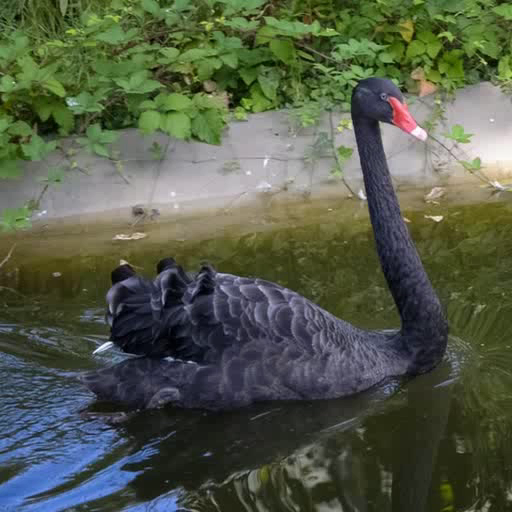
x: 6, y: 259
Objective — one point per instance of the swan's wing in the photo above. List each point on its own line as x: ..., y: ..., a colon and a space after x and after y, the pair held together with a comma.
x: 198, y: 318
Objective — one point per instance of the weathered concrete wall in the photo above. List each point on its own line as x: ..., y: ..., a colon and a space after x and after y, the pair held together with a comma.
x: 261, y: 157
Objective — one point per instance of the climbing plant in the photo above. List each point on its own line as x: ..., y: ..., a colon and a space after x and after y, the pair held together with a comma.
x: 181, y: 66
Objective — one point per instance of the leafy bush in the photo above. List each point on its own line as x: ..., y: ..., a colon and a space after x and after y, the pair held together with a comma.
x: 178, y: 66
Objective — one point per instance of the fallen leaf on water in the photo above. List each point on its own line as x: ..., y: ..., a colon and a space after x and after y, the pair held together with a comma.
x: 124, y: 262
x: 435, y: 218
x: 406, y: 220
x: 133, y: 236
x: 479, y: 308
x: 497, y: 185
x: 435, y: 193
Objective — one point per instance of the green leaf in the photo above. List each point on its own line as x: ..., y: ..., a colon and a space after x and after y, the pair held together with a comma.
x: 5, y: 122
x: 149, y: 121
x: 415, y: 49
x: 64, y: 118
x: 265, y: 35
x: 7, y: 83
x: 147, y: 105
x: 447, y: 35
x: 433, y: 48
x: 108, y: 136
x: 204, y: 102
x: 344, y: 152
x: 248, y: 75
x: 114, y: 35
x: 170, y: 54
x: 53, y: 85
x: 100, y: 149
x: 37, y: 149
x: 291, y: 28
x: 306, y: 56
x: 230, y: 59
x: 97, y: 139
x: 93, y: 132
x: 44, y: 106
x: 458, y: 134
x: 138, y: 83
x: 452, y: 64
x: 20, y: 128
x: 242, y: 24
x: 283, y: 49
x: 29, y: 69
x: 150, y: 6
x: 504, y: 10
x: 15, y: 218
x: 257, y: 102
x: 175, y: 101
x: 474, y: 165
x: 10, y: 169
x: 433, y: 76
x: 432, y: 43
x: 63, y: 6
x: 206, y: 68
x: 240, y: 114
x: 397, y: 50
x: 207, y: 126
x: 269, y: 84
x: 196, y: 54
x: 176, y: 124
x: 386, y: 57
x: 55, y: 176
x: 241, y: 6
x: 84, y: 102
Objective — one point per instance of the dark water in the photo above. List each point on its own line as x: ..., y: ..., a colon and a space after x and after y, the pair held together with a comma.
x: 442, y: 442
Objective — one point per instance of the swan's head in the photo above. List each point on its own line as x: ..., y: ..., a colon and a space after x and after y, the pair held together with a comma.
x: 381, y: 99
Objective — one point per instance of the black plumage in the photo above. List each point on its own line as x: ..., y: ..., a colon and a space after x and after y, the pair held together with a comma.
x: 247, y: 339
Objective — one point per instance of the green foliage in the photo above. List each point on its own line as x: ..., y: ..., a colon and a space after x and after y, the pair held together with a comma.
x: 97, y: 140
x: 474, y: 165
x: 15, y: 218
x: 89, y: 67
x: 459, y: 135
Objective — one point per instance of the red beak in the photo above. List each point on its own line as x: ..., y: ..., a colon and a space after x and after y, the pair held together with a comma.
x: 403, y: 119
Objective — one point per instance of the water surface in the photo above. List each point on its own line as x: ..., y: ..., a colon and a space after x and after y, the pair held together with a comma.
x: 441, y: 442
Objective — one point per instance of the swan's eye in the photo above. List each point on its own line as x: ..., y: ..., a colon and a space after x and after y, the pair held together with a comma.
x: 384, y: 96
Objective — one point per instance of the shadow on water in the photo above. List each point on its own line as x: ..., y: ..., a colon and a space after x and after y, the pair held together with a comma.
x: 297, y: 456
x: 440, y: 442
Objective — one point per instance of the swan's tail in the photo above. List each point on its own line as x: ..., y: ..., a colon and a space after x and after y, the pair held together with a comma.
x: 136, y: 305
x: 140, y: 383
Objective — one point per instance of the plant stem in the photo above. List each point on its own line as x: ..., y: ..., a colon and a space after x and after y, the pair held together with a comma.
x: 478, y: 174
x: 337, y: 157
x: 6, y: 259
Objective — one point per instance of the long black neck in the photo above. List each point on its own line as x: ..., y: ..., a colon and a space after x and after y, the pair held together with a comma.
x: 418, y: 305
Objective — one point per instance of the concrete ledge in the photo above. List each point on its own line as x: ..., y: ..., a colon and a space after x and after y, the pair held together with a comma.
x: 261, y: 158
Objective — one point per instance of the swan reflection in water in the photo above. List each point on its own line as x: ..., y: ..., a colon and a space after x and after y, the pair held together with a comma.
x: 381, y: 450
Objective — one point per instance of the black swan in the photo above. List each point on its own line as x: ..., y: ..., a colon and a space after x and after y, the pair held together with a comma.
x: 237, y: 340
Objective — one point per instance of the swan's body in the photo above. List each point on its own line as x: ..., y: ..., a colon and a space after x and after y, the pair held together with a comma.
x: 251, y: 340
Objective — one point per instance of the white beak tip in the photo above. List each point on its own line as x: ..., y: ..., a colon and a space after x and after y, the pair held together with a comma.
x: 419, y: 133
x: 103, y: 347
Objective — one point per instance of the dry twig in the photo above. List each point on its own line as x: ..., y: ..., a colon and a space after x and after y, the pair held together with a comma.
x: 6, y: 259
